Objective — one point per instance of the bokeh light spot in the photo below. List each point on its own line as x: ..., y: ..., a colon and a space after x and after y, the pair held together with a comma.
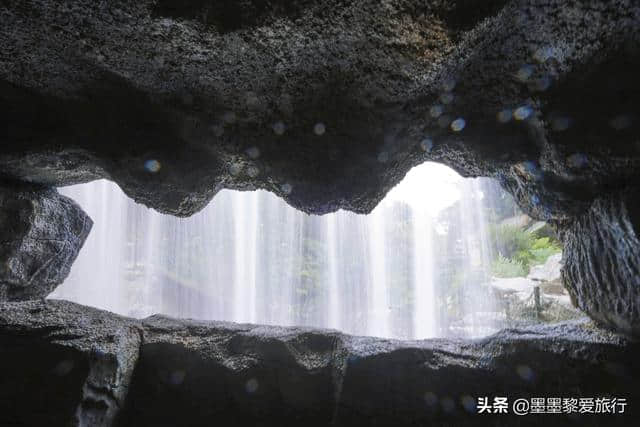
x: 252, y: 386
x: 523, y: 113
x: 279, y: 128
x: 436, y: 111
x: 504, y: 116
x: 152, y: 166
x: 253, y: 152
x: 426, y: 145
x: 458, y: 124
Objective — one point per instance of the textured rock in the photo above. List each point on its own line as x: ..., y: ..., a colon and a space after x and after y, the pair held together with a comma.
x: 324, y: 102
x: 64, y: 364
x: 549, y: 271
x: 602, y: 261
x: 198, y: 374
x: 41, y: 233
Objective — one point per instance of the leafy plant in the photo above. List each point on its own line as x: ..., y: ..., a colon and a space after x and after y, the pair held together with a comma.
x: 521, y: 248
x: 510, y: 240
x: 542, y: 249
x: 507, y: 268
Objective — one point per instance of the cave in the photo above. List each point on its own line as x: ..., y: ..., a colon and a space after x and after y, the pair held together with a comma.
x: 322, y: 108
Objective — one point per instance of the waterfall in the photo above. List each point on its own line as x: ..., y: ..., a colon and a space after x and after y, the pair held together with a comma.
x: 424, y: 316
x: 245, y: 230
x: 333, y: 286
x: 249, y: 257
x: 378, y: 315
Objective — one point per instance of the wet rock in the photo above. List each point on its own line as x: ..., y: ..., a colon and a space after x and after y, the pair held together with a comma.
x: 64, y: 364
x: 59, y: 356
x: 175, y: 101
x: 602, y: 261
x: 41, y: 233
x: 167, y: 97
x: 547, y: 272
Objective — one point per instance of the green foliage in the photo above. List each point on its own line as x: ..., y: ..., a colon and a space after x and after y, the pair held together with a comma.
x: 507, y: 268
x: 543, y: 248
x: 518, y: 250
x: 509, y: 240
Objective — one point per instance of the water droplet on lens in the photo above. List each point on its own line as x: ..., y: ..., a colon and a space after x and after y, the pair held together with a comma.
x: 532, y: 169
x: 286, y: 188
x: 253, y: 171
x: 152, y: 166
x: 543, y: 54
x: 541, y: 84
x: 436, y: 111
x: 430, y: 398
x: 523, y: 113
x: 530, y: 166
x: 235, y: 168
x: 448, y: 405
x: 229, y: 117
x: 252, y: 386
x: 426, y: 145
x: 252, y: 100
x: 504, y: 116
x: 383, y: 157
x: 621, y: 122
x: 177, y: 377
x: 525, y: 372
x: 446, y: 98
x: 449, y: 84
x: 577, y: 161
x: 279, y: 128
x: 525, y: 72
x: 253, y: 152
x: 468, y: 403
x: 319, y: 129
x: 458, y: 124
x: 63, y: 368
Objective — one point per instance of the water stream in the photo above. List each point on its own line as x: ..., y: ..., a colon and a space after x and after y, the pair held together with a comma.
x: 249, y: 257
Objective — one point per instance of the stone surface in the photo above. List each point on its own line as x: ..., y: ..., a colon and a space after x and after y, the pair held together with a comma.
x: 329, y: 103
x: 175, y: 100
x: 64, y: 364
x: 602, y: 261
x: 202, y: 373
x: 41, y: 233
x: 549, y: 271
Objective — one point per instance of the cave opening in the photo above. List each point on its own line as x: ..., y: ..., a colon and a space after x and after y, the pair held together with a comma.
x: 440, y: 256
x: 272, y: 317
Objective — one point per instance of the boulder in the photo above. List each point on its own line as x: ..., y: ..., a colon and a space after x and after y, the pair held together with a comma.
x: 41, y: 233
x: 547, y: 272
x: 65, y: 364
x: 329, y: 103
x: 602, y: 261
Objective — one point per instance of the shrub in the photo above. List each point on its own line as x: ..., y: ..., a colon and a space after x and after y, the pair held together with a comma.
x: 507, y: 268
x: 509, y: 240
x: 519, y: 247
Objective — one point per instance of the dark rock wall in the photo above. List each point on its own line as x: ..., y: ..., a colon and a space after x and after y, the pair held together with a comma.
x: 64, y: 364
x: 228, y: 95
x: 58, y: 357
x: 601, y: 262
x: 41, y: 233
